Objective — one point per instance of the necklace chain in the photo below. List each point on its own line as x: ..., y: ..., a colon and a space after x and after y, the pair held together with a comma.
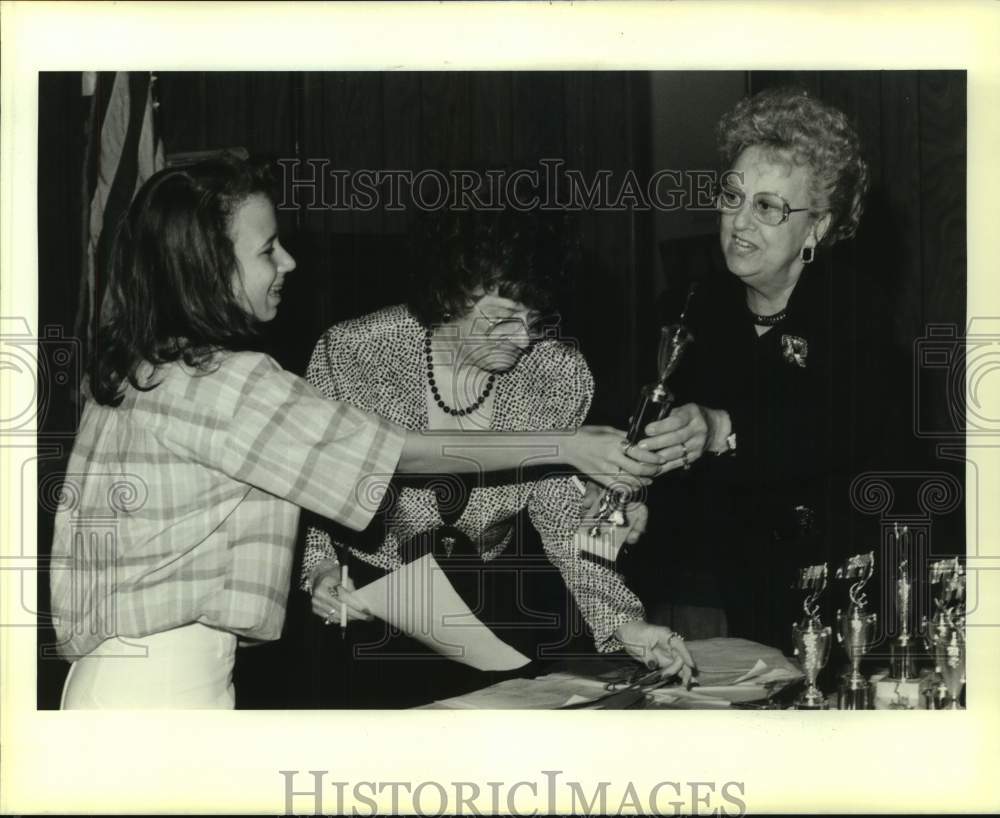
x: 468, y: 410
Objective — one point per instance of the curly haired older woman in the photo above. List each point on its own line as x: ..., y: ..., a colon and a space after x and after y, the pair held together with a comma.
x: 769, y: 358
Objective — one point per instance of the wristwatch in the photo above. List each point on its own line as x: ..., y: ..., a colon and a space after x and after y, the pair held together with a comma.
x: 730, y: 445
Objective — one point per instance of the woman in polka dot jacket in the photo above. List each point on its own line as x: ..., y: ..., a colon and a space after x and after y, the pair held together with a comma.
x: 475, y: 348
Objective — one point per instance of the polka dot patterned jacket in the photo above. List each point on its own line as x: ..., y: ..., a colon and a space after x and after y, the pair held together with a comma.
x: 376, y: 363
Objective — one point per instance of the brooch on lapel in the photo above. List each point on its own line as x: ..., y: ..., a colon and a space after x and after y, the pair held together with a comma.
x: 794, y: 349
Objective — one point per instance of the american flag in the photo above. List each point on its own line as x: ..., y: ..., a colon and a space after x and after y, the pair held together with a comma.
x: 122, y: 150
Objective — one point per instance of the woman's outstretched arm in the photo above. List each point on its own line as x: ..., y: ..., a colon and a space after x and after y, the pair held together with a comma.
x: 595, y: 451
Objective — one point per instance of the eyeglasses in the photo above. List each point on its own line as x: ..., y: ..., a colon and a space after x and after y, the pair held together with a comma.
x: 768, y: 208
x: 533, y: 322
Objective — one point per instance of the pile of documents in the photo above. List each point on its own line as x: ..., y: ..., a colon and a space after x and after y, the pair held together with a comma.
x: 419, y: 600
x: 730, y: 671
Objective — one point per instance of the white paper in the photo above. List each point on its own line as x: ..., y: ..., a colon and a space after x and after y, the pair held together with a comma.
x: 758, y: 668
x: 543, y: 693
x: 420, y: 601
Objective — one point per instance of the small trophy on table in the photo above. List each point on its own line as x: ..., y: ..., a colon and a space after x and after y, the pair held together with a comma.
x: 856, y: 631
x: 811, y: 638
x: 944, y: 633
x: 655, y: 402
x: 902, y: 660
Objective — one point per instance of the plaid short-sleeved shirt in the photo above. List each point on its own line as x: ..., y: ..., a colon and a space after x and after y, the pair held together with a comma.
x: 181, y: 505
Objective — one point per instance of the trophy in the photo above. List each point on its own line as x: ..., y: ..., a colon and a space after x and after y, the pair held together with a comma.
x: 902, y: 659
x: 811, y: 639
x: 856, y: 631
x: 944, y: 633
x: 655, y: 403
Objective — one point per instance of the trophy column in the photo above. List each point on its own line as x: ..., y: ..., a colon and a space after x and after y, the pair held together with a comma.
x: 904, y: 648
x: 811, y: 638
x: 655, y: 402
x: 856, y: 632
x: 944, y: 633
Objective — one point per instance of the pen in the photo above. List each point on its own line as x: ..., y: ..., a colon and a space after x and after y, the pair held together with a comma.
x: 343, y: 605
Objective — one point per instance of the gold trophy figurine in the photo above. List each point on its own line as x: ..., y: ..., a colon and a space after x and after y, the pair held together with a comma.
x: 655, y: 403
x: 856, y: 632
x: 903, y: 648
x: 811, y: 638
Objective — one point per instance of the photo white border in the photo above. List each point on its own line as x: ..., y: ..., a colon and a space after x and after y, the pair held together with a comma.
x: 228, y: 762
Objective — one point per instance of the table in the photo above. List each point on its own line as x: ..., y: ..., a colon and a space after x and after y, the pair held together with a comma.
x: 732, y: 673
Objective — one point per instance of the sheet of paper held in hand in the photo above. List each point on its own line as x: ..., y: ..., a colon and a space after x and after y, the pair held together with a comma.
x: 420, y: 601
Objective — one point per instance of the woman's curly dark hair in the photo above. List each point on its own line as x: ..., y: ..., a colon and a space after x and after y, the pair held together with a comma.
x: 456, y: 254
x: 170, y: 293
x: 790, y: 122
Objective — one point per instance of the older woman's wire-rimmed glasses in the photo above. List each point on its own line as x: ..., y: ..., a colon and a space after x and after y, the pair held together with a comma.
x: 533, y: 322
x: 768, y: 208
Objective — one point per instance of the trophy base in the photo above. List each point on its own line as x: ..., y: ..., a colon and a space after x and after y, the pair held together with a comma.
x: 855, y: 694
x: 940, y: 698
x: 903, y: 661
x: 811, y: 698
x: 898, y: 694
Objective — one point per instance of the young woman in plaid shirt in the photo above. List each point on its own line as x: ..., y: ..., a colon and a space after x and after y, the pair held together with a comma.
x: 195, y: 453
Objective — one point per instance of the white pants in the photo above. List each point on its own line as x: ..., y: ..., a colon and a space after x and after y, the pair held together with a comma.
x: 190, y: 667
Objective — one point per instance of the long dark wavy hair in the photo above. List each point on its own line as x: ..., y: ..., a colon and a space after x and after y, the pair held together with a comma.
x: 170, y: 293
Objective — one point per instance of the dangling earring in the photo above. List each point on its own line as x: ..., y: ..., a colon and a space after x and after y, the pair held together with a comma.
x: 808, y: 254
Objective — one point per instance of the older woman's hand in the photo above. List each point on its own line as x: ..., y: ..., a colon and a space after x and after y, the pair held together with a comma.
x: 684, y: 435
x: 601, y: 453
x: 656, y: 646
x: 329, y: 594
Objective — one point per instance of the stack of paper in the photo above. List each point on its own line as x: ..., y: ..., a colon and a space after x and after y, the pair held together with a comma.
x: 730, y: 671
x: 543, y: 693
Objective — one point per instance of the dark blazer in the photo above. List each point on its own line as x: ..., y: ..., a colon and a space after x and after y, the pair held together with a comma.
x: 807, y: 406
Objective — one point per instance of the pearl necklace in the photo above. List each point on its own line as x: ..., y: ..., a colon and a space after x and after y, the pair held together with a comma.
x: 468, y: 410
x: 768, y: 320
